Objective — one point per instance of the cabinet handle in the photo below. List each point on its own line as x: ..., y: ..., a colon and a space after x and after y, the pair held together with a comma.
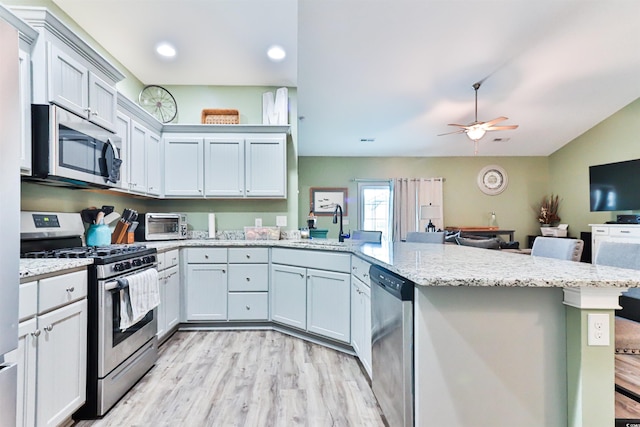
x: 48, y: 328
x: 625, y: 231
x: 354, y: 268
x: 206, y: 256
x: 301, y: 275
x: 94, y: 113
x: 309, y: 277
x: 247, y: 307
x: 248, y: 279
x: 248, y: 256
x: 36, y: 333
x: 224, y: 271
x: 365, y: 275
x: 71, y: 289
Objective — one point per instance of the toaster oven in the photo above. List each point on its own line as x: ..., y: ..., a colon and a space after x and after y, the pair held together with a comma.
x: 161, y: 226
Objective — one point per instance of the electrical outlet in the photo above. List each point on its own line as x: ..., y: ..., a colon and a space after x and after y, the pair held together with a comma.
x: 598, y: 329
x: 258, y: 222
x: 281, y: 220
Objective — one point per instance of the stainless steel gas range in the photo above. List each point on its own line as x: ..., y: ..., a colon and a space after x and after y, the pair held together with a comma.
x: 116, y: 357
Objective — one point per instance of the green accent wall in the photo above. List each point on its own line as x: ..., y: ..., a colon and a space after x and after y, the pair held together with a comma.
x: 464, y: 203
x: 614, y: 139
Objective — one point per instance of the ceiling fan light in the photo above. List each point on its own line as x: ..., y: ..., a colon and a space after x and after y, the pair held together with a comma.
x: 476, y: 132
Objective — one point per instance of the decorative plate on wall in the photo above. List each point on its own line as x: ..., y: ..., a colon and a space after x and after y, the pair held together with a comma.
x: 492, y: 180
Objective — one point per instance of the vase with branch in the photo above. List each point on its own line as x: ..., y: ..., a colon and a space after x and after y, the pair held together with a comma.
x: 548, y: 210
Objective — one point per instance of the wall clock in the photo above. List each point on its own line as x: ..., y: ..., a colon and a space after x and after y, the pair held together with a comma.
x: 492, y: 180
x: 159, y: 102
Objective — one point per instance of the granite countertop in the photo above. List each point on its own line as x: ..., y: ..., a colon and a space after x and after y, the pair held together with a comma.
x: 30, y: 267
x: 424, y: 264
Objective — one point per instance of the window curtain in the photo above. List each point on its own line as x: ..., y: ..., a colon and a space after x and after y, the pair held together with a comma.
x: 409, y: 195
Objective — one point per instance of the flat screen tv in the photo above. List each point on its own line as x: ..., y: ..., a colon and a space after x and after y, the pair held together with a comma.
x: 615, y: 186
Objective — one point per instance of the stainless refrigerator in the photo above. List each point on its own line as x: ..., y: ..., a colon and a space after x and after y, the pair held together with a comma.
x: 10, y: 147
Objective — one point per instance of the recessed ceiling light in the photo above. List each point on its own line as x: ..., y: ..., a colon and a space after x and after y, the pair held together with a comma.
x: 276, y: 53
x: 166, y: 50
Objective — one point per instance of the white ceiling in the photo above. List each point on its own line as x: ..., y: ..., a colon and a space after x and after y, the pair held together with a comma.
x: 397, y: 71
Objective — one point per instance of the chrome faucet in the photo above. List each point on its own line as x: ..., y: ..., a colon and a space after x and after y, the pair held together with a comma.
x: 341, y: 234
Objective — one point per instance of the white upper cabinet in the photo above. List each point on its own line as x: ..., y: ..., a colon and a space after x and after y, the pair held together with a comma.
x: 69, y: 72
x: 154, y: 164
x: 183, y: 166
x: 224, y: 166
x: 265, y: 166
x: 137, y: 158
x: 25, y: 111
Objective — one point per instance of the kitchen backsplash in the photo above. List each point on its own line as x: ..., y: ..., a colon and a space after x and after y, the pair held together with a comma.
x: 238, y: 234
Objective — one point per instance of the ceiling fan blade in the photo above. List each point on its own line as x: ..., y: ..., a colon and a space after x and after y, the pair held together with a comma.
x: 501, y: 128
x: 460, y: 126
x: 494, y: 121
x: 451, y: 133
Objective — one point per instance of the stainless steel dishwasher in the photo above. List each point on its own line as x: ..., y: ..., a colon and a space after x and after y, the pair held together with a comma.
x: 392, y: 345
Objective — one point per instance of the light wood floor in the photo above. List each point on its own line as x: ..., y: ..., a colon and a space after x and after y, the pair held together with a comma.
x: 627, y: 368
x: 247, y: 378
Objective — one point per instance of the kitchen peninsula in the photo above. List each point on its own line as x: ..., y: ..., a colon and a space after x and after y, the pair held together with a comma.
x: 500, y: 338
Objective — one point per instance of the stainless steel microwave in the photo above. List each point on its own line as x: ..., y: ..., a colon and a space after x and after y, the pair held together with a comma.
x: 161, y: 226
x: 69, y: 150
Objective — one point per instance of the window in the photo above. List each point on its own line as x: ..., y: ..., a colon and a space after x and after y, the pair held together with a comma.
x: 374, y: 207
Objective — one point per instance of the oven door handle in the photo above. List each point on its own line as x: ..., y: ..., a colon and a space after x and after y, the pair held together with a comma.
x: 113, y: 286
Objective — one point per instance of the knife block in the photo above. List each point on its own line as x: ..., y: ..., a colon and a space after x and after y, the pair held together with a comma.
x: 130, y: 237
x: 119, y: 235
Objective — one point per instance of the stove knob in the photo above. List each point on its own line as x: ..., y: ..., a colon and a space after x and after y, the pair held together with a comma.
x: 136, y: 263
x: 127, y: 265
x: 146, y: 260
x: 153, y: 258
x: 118, y: 267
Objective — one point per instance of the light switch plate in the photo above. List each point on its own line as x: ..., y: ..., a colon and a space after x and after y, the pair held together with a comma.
x: 281, y: 221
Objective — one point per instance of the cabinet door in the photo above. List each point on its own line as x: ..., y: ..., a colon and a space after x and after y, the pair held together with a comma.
x: 123, y: 130
x: 68, y: 82
x: 62, y: 355
x: 154, y: 162
x: 361, y: 322
x: 161, y: 310
x: 25, y: 356
x: 206, y: 297
x: 288, y: 295
x: 224, y: 166
x: 137, y: 160
x: 266, y: 170
x: 25, y: 111
x: 328, y: 304
x: 102, y: 102
x: 183, y: 165
x: 172, y: 297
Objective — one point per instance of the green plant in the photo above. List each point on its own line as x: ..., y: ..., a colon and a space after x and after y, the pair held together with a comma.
x: 548, y: 210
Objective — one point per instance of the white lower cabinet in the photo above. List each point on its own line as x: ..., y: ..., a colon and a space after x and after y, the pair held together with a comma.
x: 52, y: 349
x: 169, y: 284
x: 288, y: 295
x: 62, y: 361
x: 361, y: 322
x: 248, y: 284
x: 206, y: 288
x: 308, y: 296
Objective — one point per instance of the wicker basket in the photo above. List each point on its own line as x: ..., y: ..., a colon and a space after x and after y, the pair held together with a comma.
x: 220, y: 117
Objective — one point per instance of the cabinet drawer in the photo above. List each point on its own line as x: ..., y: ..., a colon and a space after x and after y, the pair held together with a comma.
x: 60, y: 290
x: 248, y: 277
x: 248, y: 306
x: 332, y: 261
x: 206, y: 255
x: 624, y: 231
x: 171, y: 258
x: 360, y: 269
x: 28, y: 300
x: 248, y: 255
x: 600, y: 231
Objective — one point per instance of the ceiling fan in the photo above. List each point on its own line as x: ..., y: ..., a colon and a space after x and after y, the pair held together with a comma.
x: 476, y: 130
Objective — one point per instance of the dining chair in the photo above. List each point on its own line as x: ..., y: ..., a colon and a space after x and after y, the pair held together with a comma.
x: 559, y: 248
x: 422, y: 237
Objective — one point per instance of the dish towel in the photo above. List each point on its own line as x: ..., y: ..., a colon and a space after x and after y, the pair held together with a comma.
x: 140, y: 293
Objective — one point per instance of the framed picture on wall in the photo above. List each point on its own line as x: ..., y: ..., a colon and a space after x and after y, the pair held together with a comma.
x: 324, y: 200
